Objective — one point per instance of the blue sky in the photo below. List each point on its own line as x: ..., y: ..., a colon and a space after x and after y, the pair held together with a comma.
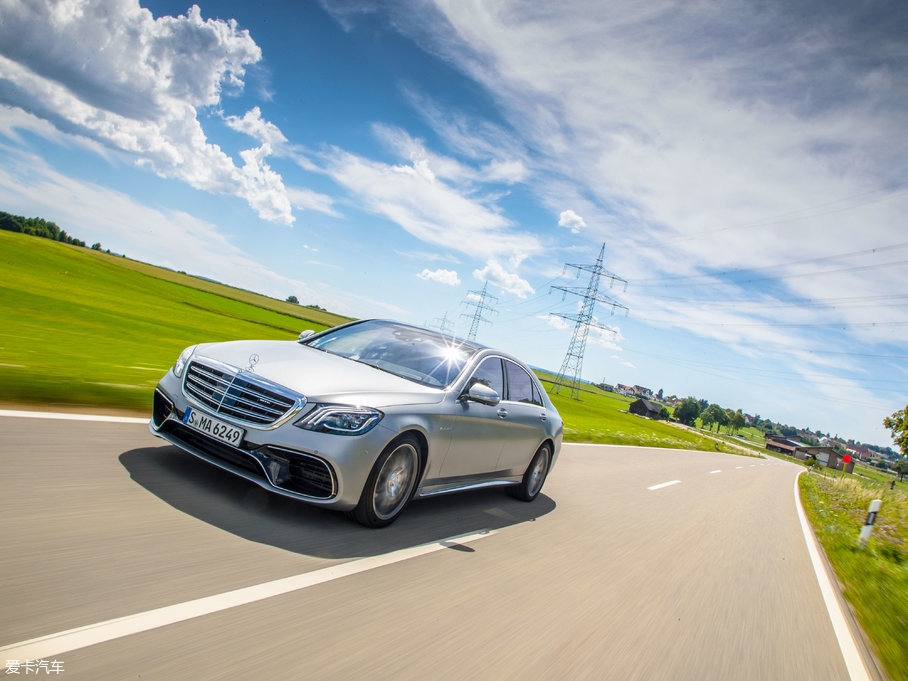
x: 744, y: 163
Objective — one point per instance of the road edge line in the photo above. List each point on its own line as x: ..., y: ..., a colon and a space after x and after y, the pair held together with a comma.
x: 62, y: 416
x: 51, y: 645
x: 854, y: 662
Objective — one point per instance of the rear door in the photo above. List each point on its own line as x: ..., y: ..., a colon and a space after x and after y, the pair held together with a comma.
x: 526, y: 415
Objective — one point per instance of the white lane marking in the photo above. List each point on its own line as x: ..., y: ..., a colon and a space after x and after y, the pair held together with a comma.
x: 46, y: 647
x: 738, y: 467
x: 856, y: 669
x: 714, y: 472
x: 596, y: 444
x: 70, y: 417
x: 664, y: 484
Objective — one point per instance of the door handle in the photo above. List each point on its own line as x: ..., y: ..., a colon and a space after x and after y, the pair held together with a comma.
x: 543, y: 417
x: 502, y: 413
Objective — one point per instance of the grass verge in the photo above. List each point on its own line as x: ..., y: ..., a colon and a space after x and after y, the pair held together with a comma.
x: 874, y: 579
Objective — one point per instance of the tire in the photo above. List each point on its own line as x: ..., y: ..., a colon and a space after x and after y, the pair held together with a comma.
x: 390, y: 484
x: 531, y: 485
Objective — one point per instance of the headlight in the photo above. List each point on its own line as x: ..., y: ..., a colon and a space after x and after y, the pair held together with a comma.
x: 340, y: 419
x: 182, y: 360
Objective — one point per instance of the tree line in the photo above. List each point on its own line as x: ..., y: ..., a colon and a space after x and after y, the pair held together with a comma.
x: 691, y: 409
x: 38, y: 227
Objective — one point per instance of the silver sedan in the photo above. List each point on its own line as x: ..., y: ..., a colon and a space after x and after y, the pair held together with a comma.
x: 362, y: 417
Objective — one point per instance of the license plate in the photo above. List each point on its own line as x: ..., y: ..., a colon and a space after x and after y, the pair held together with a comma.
x: 213, y: 427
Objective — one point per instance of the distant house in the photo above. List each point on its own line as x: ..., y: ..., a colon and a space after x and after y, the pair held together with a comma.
x: 825, y: 456
x: 860, y: 452
x: 646, y: 393
x: 645, y: 408
x: 784, y: 445
x: 626, y: 390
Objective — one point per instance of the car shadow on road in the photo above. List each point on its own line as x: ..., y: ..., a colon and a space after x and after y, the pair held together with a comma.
x: 246, y: 510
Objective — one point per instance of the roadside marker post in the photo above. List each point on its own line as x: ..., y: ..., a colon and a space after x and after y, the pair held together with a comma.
x: 868, y: 524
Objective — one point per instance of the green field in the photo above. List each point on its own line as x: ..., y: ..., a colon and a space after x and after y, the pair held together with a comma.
x: 84, y: 328
x: 81, y: 327
x: 602, y: 417
x: 875, y: 578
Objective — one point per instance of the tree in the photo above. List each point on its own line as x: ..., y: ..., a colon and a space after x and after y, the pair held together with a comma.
x: 712, y: 414
x: 687, y: 411
x: 737, y: 421
x: 293, y: 299
x: 96, y: 246
x: 897, y: 423
x: 664, y: 413
x: 901, y: 468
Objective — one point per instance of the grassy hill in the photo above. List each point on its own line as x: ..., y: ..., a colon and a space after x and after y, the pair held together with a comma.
x: 85, y: 328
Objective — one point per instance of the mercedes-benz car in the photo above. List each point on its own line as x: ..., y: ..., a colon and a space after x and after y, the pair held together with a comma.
x: 363, y: 417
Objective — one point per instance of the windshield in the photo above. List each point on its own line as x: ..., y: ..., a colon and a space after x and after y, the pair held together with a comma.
x: 417, y: 354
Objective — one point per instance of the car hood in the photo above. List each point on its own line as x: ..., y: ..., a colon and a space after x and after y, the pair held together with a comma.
x: 318, y: 375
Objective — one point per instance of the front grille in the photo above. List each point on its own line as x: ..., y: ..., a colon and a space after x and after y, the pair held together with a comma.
x: 238, y: 396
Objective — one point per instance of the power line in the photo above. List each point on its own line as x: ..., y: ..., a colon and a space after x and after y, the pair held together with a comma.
x: 800, y: 214
x: 858, y: 268
x: 747, y: 270
x: 842, y: 325
x: 832, y: 303
x: 572, y: 366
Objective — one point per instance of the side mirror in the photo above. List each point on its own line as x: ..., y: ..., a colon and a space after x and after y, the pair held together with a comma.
x: 305, y: 334
x: 480, y: 392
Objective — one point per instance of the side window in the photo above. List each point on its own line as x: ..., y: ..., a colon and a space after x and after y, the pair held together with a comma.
x: 520, y: 385
x: 537, y: 396
x: 489, y: 373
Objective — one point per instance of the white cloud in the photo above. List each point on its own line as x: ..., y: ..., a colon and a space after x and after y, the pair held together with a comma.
x: 427, y: 257
x: 604, y: 336
x: 508, y: 172
x: 668, y: 127
x: 427, y: 207
x: 495, y: 273
x: 624, y: 362
x: 571, y: 220
x: 306, y: 199
x: 555, y: 322
x: 255, y: 126
x: 448, y: 277
x: 141, y: 96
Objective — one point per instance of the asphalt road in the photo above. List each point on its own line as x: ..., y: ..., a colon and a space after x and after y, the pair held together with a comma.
x: 599, y: 578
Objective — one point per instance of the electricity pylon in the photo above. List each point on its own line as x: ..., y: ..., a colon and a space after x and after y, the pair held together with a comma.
x: 443, y: 324
x: 479, y: 302
x: 573, y: 360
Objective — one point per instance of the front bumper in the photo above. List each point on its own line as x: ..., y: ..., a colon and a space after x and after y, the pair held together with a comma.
x: 318, y: 468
